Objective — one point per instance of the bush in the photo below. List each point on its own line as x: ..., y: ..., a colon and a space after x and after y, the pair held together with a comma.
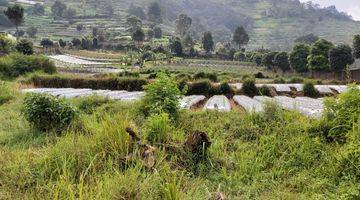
x: 47, y: 113
x: 162, y: 96
x: 265, y: 91
x: 200, y: 87
x: 249, y: 88
x: 6, y: 93
x: 342, y: 113
x: 225, y: 88
x: 15, y: 65
x: 259, y: 75
x: 157, y: 128
x: 309, y: 90
x: 202, y: 75
x: 25, y: 47
x: 279, y: 81
x: 296, y: 80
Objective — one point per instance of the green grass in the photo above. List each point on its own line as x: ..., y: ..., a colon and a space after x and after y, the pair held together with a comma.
x: 252, y: 156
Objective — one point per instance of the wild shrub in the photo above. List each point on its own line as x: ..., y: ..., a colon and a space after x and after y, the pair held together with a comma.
x: 249, y: 88
x: 279, y: 80
x: 259, y: 75
x: 199, y: 87
x: 157, y: 128
x: 265, y: 91
x: 25, y: 47
x: 15, y: 65
x: 6, y: 93
x: 342, y: 113
x: 162, y: 96
x: 295, y: 80
x: 225, y: 88
x: 310, y: 90
x: 203, y: 75
x: 47, y: 113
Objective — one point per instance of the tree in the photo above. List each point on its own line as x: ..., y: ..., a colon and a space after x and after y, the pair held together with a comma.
x: 298, y: 58
x: 95, y: 31
x: 16, y: 15
x: 134, y: 23
x: 80, y: 27
x: 31, y: 31
x: 356, y: 46
x: 157, y: 32
x: 76, y: 42
x: 183, y: 24
x: 340, y: 57
x: 268, y: 60
x: 240, y: 36
x: 69, y: 14
x: 62, y: 43
x: 46, y: 43
x: 136, y: 11
x: 95, y: 43
x: 320, y: 50
x: 25, y: 47
x: 307, y: 39
x: 150, y: 34
x: 20, y: 33
x: 138, y: 36
x: 38, y: 9
x: 176, y: 47
x: 281, y: 60
x: 207, y: 41
x: 155, y: 13
x: 58, y: 9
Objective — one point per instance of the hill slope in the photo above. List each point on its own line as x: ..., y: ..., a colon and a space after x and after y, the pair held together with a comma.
x: 271, y: 23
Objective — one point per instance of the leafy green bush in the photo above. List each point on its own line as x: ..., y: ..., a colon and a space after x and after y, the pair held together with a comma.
x: 25, y: 47
x: 6, y: 93
x: 157, y: 128
x: 162, y: 96
x: 265, y: 91
x: 310, y: 90
x: 279, y: 80
x: 225, y: 88
x: 249, y: 88
x: 200, y: 87
x: 47, y: 113
x: 342, y: 113
x: 15, y: 65
x: 202, y: 75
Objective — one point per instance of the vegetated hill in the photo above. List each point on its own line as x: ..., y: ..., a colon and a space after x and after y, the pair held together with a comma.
x: 271, y: 23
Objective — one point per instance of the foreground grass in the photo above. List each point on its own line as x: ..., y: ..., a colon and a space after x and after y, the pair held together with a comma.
x: 265, y: 156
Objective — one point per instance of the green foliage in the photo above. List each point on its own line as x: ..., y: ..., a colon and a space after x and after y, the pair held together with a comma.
x: 310, y: 90
x: 207, y: 42
x: 7, y: 93
x: 176, y: 47
x: 321, y: 48
x: 157, y: 32
x: 342, y: 113
x: 204, y: 75
x: 112, y: 83
x: 203, y: 87
x: 183, y: 24
x: 340, y: 57
x: 281, y: 60
x: 157, y: 128
x: 225, y: 89
x: 318, y: 63
x: 298, y: 58
x: 89, y: 104
x: 14, y: 65
x: 46, y: 43
x: 162, y: 96
x: 249, y: 88
x: 356, y: 46
x: 268, y: 60
x: 47, y: 113
x: 31, y: 31
x: 6, y: 44
x: 25, y: 47
x: 240, y: 36
x: 239, y: 56
x: 265, y: 91
x: 138, y: 35
x: 15, y: 14
x: 58, y: 9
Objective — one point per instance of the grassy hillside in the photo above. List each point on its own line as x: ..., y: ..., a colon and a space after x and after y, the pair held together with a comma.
x: 271, y: 24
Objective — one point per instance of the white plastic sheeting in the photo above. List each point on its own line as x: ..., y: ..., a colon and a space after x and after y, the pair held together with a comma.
x: 76, y: 93
x: 73, y: 60
x: 249, y: 104
x: 219, y: 103
x: 323, y: 89
x: 189, y: 101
